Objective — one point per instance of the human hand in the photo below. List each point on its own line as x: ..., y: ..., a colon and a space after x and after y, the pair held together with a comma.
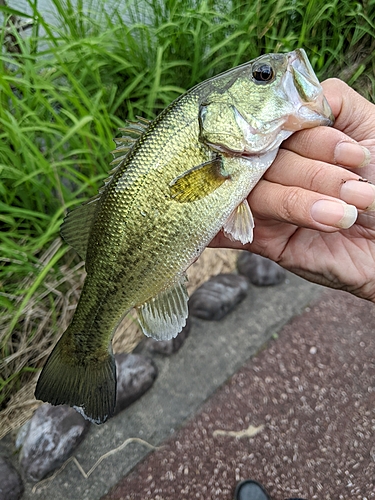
x: 305, y: 207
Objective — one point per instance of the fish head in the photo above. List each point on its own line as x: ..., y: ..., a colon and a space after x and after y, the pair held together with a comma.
x: 251, y: 109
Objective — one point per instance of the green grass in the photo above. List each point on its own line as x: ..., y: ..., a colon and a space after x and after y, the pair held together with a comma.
x: 64, y: 93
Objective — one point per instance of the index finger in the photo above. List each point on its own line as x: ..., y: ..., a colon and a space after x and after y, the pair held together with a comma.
x: 339, y: 145
x: 328, y: 145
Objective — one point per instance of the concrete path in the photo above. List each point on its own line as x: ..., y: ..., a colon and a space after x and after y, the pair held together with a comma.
x: 299, y: 417
x: 213, y: 352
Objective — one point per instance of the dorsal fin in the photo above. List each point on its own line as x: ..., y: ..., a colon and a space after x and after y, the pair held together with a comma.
x: 133, y: 131
x: 77, y: 224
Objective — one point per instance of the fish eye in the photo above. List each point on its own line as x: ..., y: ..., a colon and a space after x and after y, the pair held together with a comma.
x: 263, y: 74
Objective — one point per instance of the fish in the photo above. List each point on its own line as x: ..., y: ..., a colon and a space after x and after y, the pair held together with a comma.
x: 178, y: 180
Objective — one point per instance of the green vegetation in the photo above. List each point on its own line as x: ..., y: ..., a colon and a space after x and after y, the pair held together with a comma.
x: 64, y: 91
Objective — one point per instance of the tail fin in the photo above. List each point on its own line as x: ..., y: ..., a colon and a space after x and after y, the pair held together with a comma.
x: 86, y: 383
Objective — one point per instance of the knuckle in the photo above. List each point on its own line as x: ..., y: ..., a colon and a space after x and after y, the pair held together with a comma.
x: 316, y: 174
x: 291, y: 204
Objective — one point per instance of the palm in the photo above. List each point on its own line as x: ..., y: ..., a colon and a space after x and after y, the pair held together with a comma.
x: 329, y: 259
x: 333, y: 259
x: 344, y: 259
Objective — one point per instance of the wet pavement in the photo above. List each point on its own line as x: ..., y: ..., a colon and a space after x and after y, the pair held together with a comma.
x: 308, y: 398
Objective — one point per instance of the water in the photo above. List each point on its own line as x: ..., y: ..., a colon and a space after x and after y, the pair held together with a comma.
x: 47, y: 8
x: 52, y: 17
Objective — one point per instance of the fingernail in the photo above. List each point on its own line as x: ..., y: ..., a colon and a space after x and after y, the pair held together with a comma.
x: 334, y: 213
x: 351, y: 154
x: 360, y: 194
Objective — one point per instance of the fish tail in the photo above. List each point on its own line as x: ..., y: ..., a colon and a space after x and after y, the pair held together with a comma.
x: 85, y: 381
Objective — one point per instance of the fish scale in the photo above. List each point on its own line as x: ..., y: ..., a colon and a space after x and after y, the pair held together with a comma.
x: 179, y: 180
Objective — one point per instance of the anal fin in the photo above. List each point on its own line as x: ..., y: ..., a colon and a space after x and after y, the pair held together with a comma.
x: 164, y: 316
x: 240, y: 224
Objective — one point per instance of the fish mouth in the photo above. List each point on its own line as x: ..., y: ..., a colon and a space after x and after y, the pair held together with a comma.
x: 315, y: 118
x: 308, y: 117
x: 312, y: 108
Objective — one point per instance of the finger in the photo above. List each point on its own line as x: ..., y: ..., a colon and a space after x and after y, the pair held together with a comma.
x: 290, y: 169
x: 300, y: 207
x: 354, y: 114
x: 328, y: 145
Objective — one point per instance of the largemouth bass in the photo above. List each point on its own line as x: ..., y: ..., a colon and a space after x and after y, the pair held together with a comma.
x: 180, y: 180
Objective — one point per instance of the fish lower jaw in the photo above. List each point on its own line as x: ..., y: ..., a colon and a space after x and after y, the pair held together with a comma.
x: 249, y: 152
x: 311, y: 118
x: 311, y: 115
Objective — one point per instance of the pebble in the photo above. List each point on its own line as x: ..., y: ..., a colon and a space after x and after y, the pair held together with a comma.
x: 52, y: 435
x: 11, y: 486
x: 217, y: 296
x: 168, y: 347
x: 259, y: 270
x: 135, y: 375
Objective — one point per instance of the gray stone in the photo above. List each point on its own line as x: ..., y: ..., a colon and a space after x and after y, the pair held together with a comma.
x: 11, y: 486
x: 259, y: 270
x: 217, y: 296
x: 168, y: 347
x: 135, y: 375
x: 22, y: 434
x: 53, y: 434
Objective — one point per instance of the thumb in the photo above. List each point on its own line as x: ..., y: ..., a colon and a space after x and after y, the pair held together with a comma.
x: 354, y: 114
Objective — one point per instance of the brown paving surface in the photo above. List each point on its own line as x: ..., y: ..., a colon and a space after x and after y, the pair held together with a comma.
x: 313, y: 390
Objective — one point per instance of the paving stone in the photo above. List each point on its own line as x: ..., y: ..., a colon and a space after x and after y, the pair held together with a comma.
x: 53, y: 434
x: 259, y: 270
x: 135, y: 375
x: 168, y: 347
x: 11, y: 486
x: 217, y: 296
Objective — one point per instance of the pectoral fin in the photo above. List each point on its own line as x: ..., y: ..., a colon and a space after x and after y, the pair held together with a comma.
x: 199, y: 181
x: 240, y: 225
x: 164, y: 316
